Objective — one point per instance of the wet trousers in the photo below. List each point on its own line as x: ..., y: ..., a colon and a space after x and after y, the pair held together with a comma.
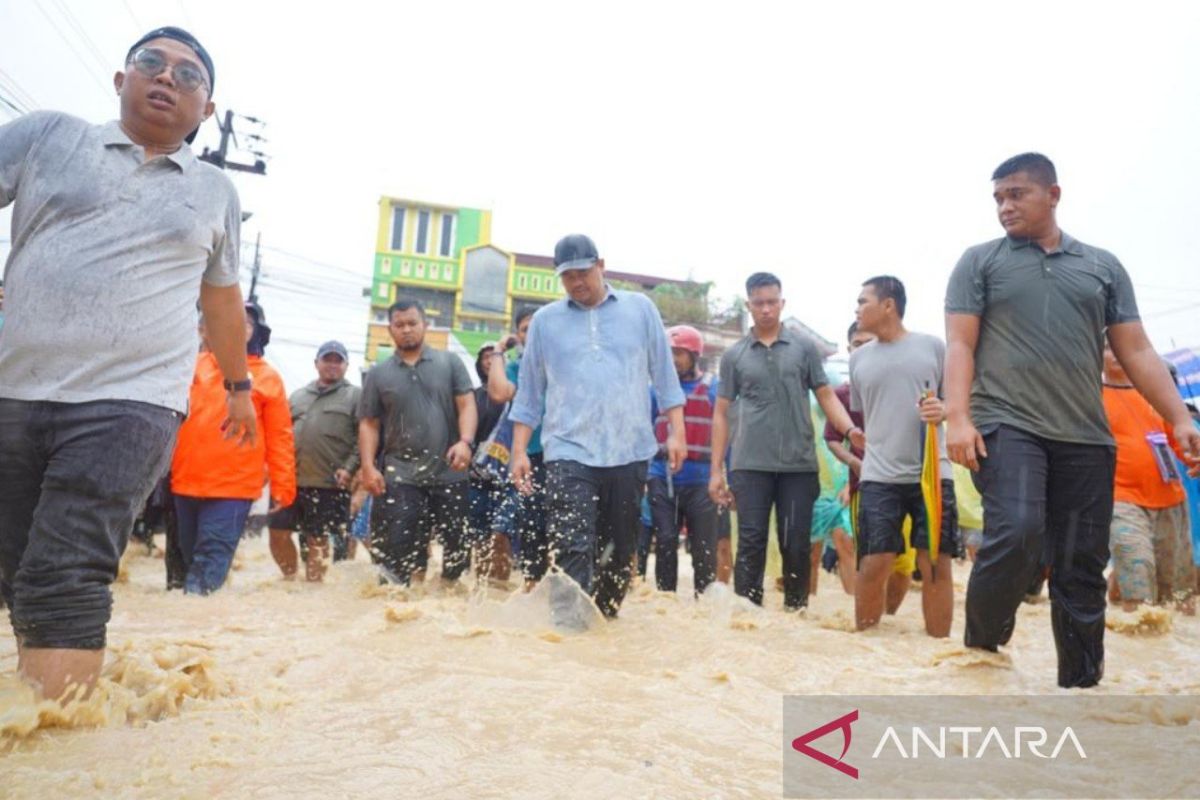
x: 692, y: 506
x: 792, y: 494
x: 1045, y: 503
x: 593, y: 518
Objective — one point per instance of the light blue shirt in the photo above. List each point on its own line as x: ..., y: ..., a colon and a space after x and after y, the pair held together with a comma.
x: 589, y: 369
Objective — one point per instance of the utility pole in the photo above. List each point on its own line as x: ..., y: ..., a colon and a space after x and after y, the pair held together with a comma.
x: 219, y: 157
x: 257, y: 266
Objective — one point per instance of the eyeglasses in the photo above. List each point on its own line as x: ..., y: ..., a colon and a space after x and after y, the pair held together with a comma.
x: 152, y: 63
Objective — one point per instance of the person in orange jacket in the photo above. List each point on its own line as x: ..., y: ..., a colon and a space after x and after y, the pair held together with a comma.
x: 213, y: 479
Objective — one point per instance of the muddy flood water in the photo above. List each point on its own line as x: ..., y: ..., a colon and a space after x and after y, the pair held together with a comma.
x: 274, y: 689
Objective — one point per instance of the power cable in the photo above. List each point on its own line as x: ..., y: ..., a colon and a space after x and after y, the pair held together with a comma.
x: 69, y: 16
x: 17, y: 90
x: 90, y: 70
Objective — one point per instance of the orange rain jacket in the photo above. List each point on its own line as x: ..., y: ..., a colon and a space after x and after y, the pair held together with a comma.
x: 206, y: 464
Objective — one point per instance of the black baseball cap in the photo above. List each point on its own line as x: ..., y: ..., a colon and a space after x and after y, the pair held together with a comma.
x: 574, y: 251
x: 183, y: 37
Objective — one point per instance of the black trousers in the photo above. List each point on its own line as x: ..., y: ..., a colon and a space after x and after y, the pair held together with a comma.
x: 792, y: 494
x: 592, y: 515
x: 1045, y: 503
x: 404, y: 519
x: 692, y: 506
x: 531, y: 524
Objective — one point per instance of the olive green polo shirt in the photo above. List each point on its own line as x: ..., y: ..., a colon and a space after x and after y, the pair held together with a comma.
x: 325, y: 424
x: 769, y: 388
x: 416, y: 409
x: 1041, y: 334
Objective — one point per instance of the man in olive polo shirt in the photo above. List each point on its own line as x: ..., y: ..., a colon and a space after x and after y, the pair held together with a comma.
x: 774, y: 462
x: 325, y: 423
x: 422, y: 398
x: 1025, y: 321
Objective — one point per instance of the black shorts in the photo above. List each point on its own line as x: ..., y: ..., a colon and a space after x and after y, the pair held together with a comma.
x: 315, y: 512
x: 882, y: 508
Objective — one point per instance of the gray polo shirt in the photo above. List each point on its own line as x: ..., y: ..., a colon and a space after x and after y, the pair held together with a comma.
x: 769, y: 389
x: 415, y: 407
x: 1041, y: 334
x: 887, y: 380
x: 107, y: 257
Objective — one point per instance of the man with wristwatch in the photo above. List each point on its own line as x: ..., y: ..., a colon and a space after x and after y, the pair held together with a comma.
x: 766, y: 378
x: 420, y: 402
x: 117, y: 229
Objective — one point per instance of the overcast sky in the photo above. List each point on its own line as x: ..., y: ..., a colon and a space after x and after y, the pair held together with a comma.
x: 826, y: 144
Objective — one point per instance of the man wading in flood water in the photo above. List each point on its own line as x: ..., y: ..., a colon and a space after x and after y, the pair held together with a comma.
x: 117, y: 229
x: 1025, y: 321
x: 587, y: 361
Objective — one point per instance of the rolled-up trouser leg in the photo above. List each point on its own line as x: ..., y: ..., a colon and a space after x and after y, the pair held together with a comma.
x: 102, y: 460
x: 572, y: 506
x: 1013, y: 483
x: 1079, y: 516
x: 617, y: 523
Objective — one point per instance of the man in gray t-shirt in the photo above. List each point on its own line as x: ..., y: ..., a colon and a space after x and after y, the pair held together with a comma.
x: 423, y: 401
x: 896, y: 382
x: 117, y: 230
x: 1025, y: 322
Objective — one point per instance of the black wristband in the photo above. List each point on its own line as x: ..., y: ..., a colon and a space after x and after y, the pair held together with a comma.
x: 237, y: 386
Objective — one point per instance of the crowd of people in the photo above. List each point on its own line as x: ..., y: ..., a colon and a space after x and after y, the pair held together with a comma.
x: 1046, y: 390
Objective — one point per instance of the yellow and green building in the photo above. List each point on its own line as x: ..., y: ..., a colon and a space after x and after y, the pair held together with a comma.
x: 443, y: 256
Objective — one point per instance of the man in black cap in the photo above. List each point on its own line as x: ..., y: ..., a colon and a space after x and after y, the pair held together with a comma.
x: 117, y: 229
x: 325, y: 424
x: 588, y: 359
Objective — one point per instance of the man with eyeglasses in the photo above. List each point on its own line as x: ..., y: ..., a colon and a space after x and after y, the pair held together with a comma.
x: 768, y: 374
x: 117, y: 229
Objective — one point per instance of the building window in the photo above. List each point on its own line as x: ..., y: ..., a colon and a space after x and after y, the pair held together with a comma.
x: 420, y: 269
x: 485, y: 282
x: 439, y: 304
x: 398, y: 228
x: 422, y: 231
x: 522, y: 280
x: 379, y: 316
x: 385, y: 266
x: 435, y: 272
x: 447, y: 243
x: 448, y: 272
x: 406, y: 268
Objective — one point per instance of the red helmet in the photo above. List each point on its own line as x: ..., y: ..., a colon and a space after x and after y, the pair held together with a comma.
x: 687, y: 338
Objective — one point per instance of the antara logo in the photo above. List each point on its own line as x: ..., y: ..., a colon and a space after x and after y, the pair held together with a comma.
x: 800, y: 744
x: 1030, y: 738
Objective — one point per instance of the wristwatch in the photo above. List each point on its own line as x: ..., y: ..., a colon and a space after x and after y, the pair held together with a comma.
x: 237, y: 386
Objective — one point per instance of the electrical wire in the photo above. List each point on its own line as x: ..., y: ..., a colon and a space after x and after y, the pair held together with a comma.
x: 17, y: 90
x: 74, y: 49
x: 73, y: 22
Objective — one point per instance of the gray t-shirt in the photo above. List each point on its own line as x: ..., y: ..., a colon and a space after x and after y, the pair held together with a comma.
x: 887, y: 380
x: 1041, y: 334
x: 416, y: 409
x: 107, y: 257
x: 769, y: 388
